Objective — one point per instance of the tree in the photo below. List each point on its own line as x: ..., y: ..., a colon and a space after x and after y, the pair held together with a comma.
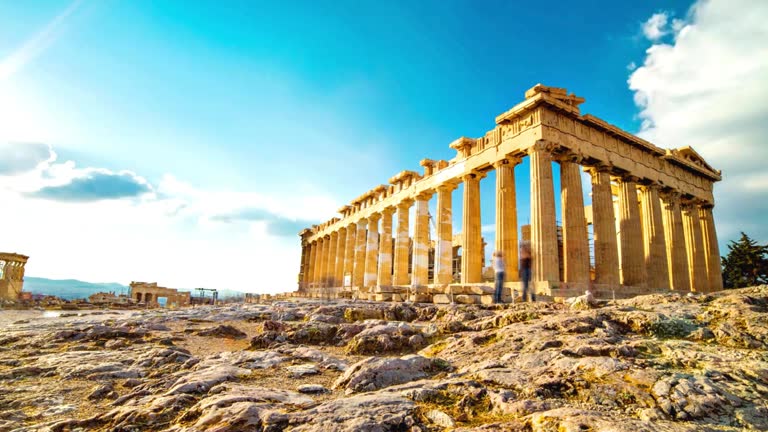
x: 746, y: 263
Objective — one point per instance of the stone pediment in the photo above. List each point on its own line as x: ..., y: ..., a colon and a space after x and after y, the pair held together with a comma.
x: 690, y: 155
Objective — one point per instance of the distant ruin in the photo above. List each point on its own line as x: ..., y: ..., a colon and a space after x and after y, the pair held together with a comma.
x: 11, y: 275
x: 651, y: 215
x: 148, y: 293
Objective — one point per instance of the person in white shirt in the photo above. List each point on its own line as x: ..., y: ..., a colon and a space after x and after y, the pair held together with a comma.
x: 498, y: 266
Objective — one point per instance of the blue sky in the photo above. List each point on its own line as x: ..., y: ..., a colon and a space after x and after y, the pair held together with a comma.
x: 252, y: 102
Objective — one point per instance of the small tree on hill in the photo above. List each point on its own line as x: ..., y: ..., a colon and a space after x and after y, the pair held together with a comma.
x: 746, y: 263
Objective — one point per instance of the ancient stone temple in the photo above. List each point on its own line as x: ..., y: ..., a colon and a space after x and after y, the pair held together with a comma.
x: 651, y: 216
x: 149, y: 293
x: 11, y: 275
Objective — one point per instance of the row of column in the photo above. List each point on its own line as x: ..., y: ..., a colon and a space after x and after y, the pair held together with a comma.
x: 12, y: 270
x: 652, y: 239
x: 649, y: 247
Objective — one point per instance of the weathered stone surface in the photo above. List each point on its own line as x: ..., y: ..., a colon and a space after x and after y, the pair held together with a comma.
x: 659, y: 362
x: 226, y: 331
x: 376, y: 373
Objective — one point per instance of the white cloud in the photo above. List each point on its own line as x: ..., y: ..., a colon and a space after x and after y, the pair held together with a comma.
x: 708, y: 89
x: 631, y: 66
x: 656, y: 26
x: 171, y: 235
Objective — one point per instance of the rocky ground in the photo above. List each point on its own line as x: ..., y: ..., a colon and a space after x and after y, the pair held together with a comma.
x: 660, y: 362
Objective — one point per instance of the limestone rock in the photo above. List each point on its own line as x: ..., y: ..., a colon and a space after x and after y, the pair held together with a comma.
x: 376, y: 373
x: 226, y: 331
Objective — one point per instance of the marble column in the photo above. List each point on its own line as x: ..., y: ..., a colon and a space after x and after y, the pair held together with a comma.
x: 544, y: 249
x: 319, y: 267
x: 358, y: 275
x: 325, y: 275
x: 402, y: 243
x: 506, y: 216
x: 372, y: 251
x: 338, y: 272
x: 677, y: 258
x: 631, y: 234
x: 654, y: 242
x: 604, y: 228
x: 304, y: 266
x: 349, y: 254
x: 385, y: 249
x: 471, y: 240
x: 694, y: 245
x: 333, y: 242
x: 312, y: 264
x: 711, y: 249
x: 575, y: 239
x: 420, y: 265
x: 444, y: 247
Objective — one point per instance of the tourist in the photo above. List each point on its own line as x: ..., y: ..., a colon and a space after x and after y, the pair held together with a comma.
x: 525, y: 270
x: 498, y: 266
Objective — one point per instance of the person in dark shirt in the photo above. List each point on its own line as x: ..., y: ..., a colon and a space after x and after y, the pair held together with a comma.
x: 525, y: 270
x: 498, y: 266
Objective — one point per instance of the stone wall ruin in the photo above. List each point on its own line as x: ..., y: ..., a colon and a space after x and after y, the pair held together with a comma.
x: 11, y: 275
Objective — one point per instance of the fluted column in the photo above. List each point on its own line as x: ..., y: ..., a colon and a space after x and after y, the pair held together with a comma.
x: 326, y: 274
x: 320, y: 255
x: 331, y: 269
x: 694, y: 245
x: 358, y: 275
x: 543, y: 223
x: 310, y: 277
x: 420, y: 274
x: 653, y: 238
x: 471, y: 239
x: 303, y: 266
x: 385, y: 249
x: 444, y: 248
x: 711, y: 249
x: 402, y: 243
x: 349, y: 253
x: 604, y: 228
x: 575, y: 240
x: 677, y: 258
x: 506, y: 216
x: 631, y: 235
x: 338, y: 272
x: 372, y: 251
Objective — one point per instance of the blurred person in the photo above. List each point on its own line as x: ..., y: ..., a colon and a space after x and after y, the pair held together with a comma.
x: 525, y: 270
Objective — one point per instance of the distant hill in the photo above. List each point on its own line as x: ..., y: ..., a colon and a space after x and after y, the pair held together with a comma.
x: 70, y: 289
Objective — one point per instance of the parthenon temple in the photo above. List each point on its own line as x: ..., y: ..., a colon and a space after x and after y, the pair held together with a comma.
x: 11, y: 275
x: 649, y: 227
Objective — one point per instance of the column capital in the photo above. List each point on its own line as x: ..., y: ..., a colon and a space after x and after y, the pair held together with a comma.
x: 362, y: 221
x: 513, y: 161
x: 599, y: 168
x: 388, y: 211
x: 651, y: 185
x: 669, y: 195
x: 568, y: 155
x: 374, y: 217
x: 405, y: 204
x: 541, y: 146
x: 425, y: 195
x: 474, y: 175
x: 627, y: 178
x: 342, y: 229
x: 447, y: 186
